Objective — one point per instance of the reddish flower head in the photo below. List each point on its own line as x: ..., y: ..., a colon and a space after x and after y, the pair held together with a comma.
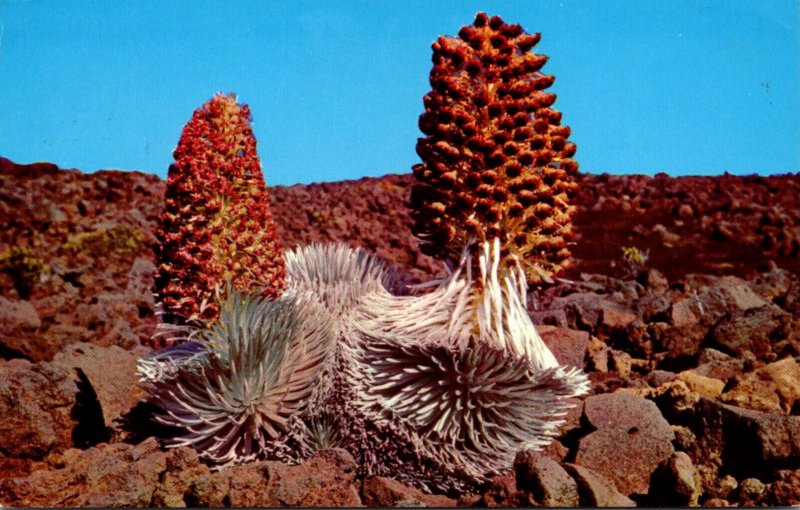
x: 493, y: 150
x: 217, y: 225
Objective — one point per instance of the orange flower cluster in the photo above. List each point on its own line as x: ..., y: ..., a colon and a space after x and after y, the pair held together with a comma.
x: 496, y: 160
x: 217, y: 225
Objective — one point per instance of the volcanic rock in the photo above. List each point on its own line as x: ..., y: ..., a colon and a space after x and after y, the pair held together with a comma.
x: 718, y: 365
x: 385, y: 492
x: 502, y: 492
x: 327, y: 479
x: 568, y: 345
x: 16, y: 315
x: 598, y: 355
x: 773, y: 285
x: 785, y: 489
x: 771, y: 388
x: 183, y: 467
x: 615, y: 317
x: 582, y: 309
x: 747, y: 441
x: 658, y: 377
x: 680, y: 323
x: 595, y: 490
x: 707, y: 387
x: 722, y: 487
x: 654, y: 281
x: 111, y: 371
x: 753, y: 329
x: 103, y: 476
x: 545, y: 480
x: 674, y: 482
x: 37, y: 408
x: 684, y: 312
x: 624, y: 423
x: 681, y: 343
x: 751, y: 492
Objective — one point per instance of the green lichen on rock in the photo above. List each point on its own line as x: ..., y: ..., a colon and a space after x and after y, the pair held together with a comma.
x: 118, y: 240
x: 25, y: 267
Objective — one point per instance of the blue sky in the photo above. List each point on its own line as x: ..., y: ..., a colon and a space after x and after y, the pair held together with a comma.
x: 335, y: 87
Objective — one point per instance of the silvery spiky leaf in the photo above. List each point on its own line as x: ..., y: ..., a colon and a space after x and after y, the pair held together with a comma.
x: 339, y: 276
x: 490, y: 305
x: 321, y: 430
x: 474, y: 407
x: 263, y: 360
x: 166, y: 363
x: 463, y: 368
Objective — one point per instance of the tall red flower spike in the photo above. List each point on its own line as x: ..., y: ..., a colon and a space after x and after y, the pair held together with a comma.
x: 217, y: 225
x: 496, y: 160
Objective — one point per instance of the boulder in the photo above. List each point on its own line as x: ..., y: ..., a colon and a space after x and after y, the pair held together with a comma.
x: 658, y: 377
x: 624, y: 424
x: 654, y: 307
x: 237, y: 486
x: 773, y: 284
x: 17, y: 314
x: 712, y: 299
x: 752, y: 329
x: 112, y: 373
x: 772, y: 388
x: 614, y: 317
x: 785, y: 489
x: 682, y: 342
x: 327, y: 479
x: 674, y: 482
x: 751, y: 492
x: 568, y: 345
x: 37, y: 406
x: 738, y: 293
x: 707, y: 387
x: 654, y: 281
x: 385, y: 492
x: 118, y: 475
x: 582, y: 309
x: 747, y: 441
x: 684, y: 312
x: 183, y: 466
x: 721, y: 487
x: 619, y: 410
x: 595, y: 490
x: 19, y: 330
x: 502, y: 492
x: 718, y: 365
x: 140, y: 283
x: 547, y: 483
x: 598, y: 356
x: 52, y: 339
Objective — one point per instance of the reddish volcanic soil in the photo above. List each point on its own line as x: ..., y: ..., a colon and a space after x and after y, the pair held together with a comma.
x: 693, y: 356
x: 713, y: 225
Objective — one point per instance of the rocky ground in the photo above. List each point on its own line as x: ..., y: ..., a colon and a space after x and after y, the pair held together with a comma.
x: 693, y: 353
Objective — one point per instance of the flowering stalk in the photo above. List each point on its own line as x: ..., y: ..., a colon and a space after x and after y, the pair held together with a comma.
x: 496, y: 163
x: 216, y: 225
